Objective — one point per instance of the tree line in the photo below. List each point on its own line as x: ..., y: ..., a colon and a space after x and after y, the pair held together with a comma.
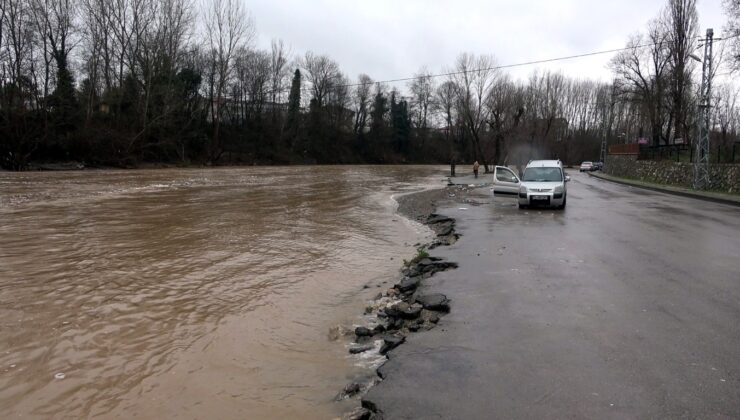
x: 129, y: 82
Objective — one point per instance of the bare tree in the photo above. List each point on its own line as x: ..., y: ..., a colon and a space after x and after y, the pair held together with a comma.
x: 95, y: 46
x: 642, y: 74
x: 422, y: 91
x: 338, y: 103
x: 379, y: 111
x: 39, y: 12
x: 119, y: 23
x: 258, y: 78
x: 732, y: 27
x: 59, y: 19
x: 726, y: 112
x: 506, y: 107
x: 17, y: 46
x: 98, y: 39
x: 322, y: 73
x: 474, y: 77
x: 164, y: 28
x: 362, y: 103
x: 445, y: 98
x: 279, y: 71
x: 228, y: 26
x: 682, y: 23
x: 17, y: 140
x: 546, y: 108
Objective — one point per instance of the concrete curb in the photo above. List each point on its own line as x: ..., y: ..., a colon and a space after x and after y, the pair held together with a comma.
x: 683, y: 193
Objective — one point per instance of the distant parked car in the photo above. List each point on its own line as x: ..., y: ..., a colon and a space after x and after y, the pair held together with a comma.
x: 587, y: 166
x: 598, y: 166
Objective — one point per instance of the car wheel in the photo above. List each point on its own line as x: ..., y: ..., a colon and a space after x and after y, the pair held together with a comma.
x: 522, y: 206
x: 562, y: 206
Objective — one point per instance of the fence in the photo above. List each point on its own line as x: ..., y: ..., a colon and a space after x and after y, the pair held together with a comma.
x: 624, y: 149
x: 685, y: 153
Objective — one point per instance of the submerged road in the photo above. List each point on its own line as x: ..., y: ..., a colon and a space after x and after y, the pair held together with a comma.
x: 625, y: 305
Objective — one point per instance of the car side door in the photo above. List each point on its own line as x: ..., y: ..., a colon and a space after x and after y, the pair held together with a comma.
x: 505, y: 181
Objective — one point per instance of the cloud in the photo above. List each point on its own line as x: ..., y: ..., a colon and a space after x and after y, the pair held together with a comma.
x: 390, y: 39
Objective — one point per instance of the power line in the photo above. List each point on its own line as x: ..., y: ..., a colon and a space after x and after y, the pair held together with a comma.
x: 504, y: 66
x: 727, y: 38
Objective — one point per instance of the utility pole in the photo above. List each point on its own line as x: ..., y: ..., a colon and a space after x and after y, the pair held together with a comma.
x: 604, y: 145
x: 603, y: 151
x: 701, y: 162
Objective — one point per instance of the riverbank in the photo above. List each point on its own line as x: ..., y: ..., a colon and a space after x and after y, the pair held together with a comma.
x: 79, y: 165
x: 405, y: 309
x: 65, y: 166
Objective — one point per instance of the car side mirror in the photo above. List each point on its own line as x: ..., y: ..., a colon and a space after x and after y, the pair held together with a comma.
x: 567, y: 178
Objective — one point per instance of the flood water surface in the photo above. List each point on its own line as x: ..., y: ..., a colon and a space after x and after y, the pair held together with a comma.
x: 192, y: 293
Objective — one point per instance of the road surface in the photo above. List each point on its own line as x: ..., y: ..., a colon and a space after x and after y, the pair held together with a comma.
x: 625, y: 305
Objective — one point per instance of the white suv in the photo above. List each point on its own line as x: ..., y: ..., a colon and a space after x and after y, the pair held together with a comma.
x: 543, y: 183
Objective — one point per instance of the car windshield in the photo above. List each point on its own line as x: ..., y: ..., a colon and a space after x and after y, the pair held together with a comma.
x: 542, y: 175
x: 586, y: 163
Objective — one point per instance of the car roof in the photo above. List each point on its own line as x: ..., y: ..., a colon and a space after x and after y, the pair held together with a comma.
x: 544, y: 164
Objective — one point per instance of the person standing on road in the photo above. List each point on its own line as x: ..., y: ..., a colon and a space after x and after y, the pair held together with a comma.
x: 475, y: 168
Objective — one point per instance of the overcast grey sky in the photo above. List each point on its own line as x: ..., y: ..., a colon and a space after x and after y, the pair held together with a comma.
x: 390, y: 39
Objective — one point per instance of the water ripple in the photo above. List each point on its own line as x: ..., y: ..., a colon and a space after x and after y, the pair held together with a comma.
x: 110, y: 277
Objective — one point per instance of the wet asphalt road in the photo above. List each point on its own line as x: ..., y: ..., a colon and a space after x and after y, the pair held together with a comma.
x: 625, y: 305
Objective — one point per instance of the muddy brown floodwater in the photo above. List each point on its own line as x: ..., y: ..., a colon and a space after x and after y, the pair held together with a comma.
x: 188, y: 293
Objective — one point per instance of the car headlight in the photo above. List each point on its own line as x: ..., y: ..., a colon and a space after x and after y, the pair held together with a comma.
x: 522, y: 189
x: 559, y: 189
